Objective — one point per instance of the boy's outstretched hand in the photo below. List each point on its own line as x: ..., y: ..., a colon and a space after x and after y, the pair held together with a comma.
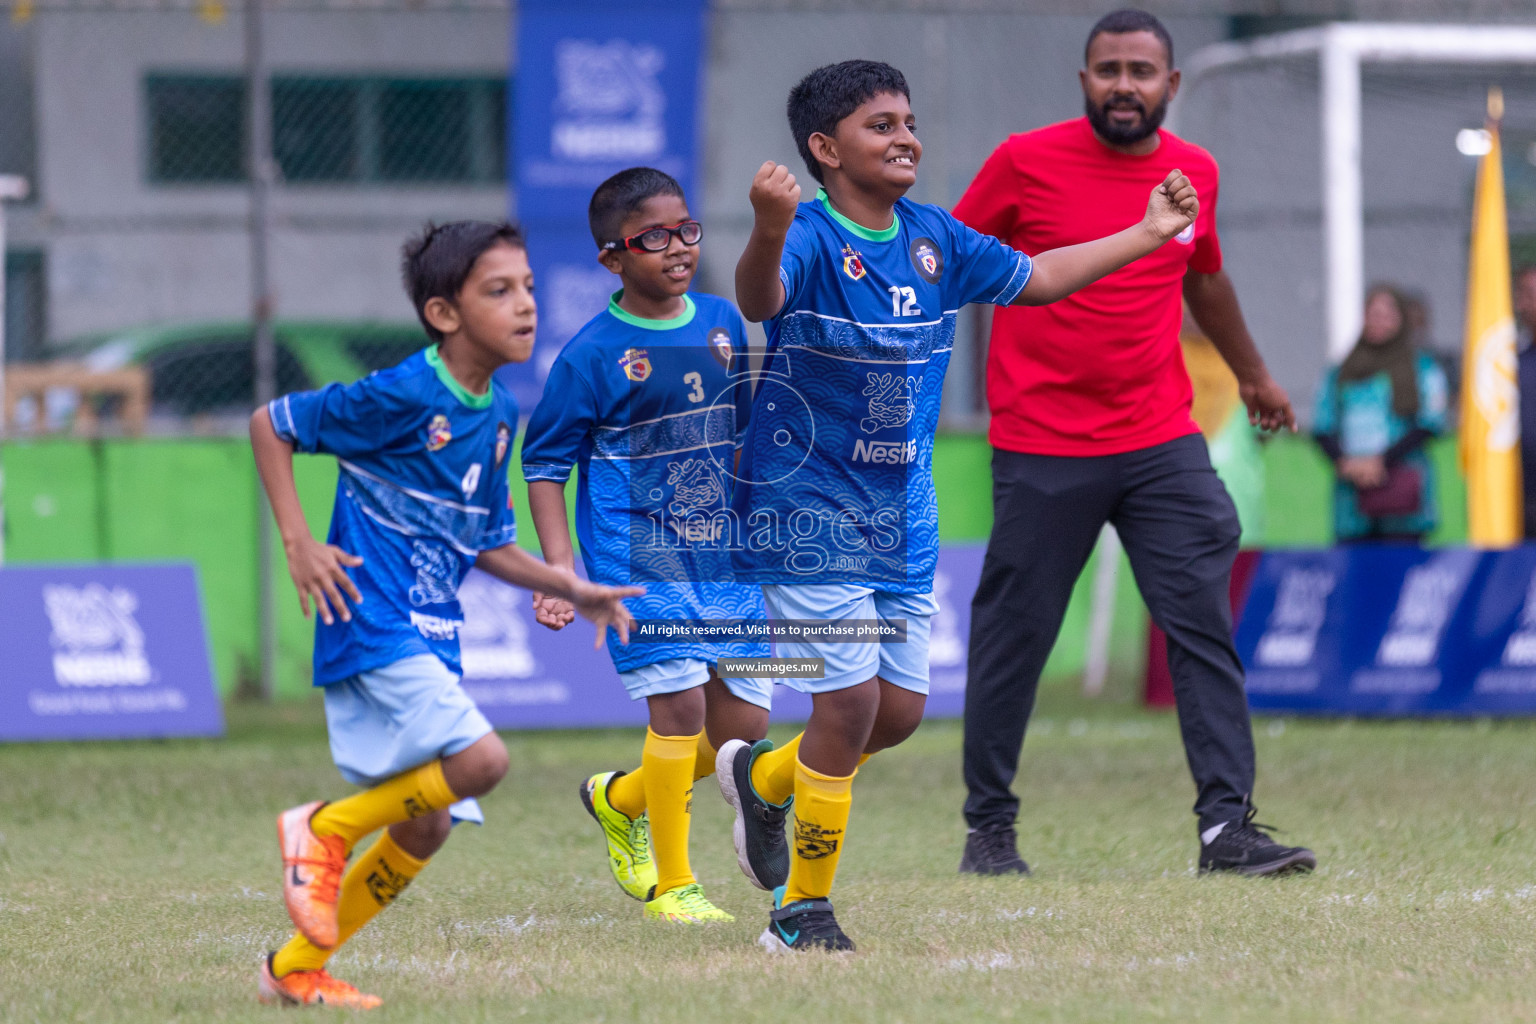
x: 774, y: 195
x: 319, y: 575
x: 552, y: 612
x: 605, y: 607
x: 1172, y: 207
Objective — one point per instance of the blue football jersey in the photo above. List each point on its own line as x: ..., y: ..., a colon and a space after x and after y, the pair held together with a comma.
x: 422, y: 490
x: 652, y: 414
x: 836, y: 477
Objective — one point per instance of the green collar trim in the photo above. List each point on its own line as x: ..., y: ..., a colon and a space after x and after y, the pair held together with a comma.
x: 462, y: 393
x: 682, y: 319
x: 859, y: 229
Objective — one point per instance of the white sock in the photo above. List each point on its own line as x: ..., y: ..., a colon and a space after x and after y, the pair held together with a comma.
x: 1212, y: 833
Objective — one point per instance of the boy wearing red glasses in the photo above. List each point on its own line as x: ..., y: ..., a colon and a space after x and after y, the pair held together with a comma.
x: 643, y: 400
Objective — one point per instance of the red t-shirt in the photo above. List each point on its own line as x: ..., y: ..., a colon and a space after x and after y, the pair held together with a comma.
x: 1100, y: 371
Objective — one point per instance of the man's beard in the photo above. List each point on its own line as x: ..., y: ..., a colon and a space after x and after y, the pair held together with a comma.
x: 1126, y: 135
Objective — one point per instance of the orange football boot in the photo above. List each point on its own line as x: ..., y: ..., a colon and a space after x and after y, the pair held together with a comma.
x: 310, y: 988
x: 312, y: 867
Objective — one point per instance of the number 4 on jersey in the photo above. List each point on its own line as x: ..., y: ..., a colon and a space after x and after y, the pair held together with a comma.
x: 471, y: 481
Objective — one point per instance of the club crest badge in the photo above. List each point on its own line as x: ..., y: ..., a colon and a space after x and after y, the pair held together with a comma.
x: 503, y: 442
x: 927, y: 260
x: 636, y: 365
x: 720, y: 346
x: 439, y: 433
x: 853, y: 266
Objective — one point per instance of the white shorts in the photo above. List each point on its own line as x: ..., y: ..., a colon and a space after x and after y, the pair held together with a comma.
x: 679, y: 674
x: 904, y: 664
x: 389, y: 720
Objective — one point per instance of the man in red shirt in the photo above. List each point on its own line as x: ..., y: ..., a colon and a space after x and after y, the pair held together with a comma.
x: 1091, y: 424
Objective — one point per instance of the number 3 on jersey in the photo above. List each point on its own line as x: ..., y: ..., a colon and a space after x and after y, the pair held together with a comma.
x: 696, y: 390
x: 903, y: 301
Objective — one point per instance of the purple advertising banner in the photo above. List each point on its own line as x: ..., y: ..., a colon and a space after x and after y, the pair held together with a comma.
x: 525, y: 676
x: 104, y: 652
x: 1392, y: 629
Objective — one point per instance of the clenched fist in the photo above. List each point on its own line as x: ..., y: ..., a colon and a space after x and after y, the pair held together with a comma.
x: 1172, y: 206
x: 774, y: 197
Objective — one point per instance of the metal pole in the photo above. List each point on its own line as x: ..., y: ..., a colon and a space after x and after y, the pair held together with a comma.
x: 1343, y: 211
x: 264, y: 357
x: 1101, y: 613
x: 11, y: 187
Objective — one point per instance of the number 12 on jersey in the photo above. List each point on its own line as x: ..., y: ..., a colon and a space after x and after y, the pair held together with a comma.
x: 903, y: 301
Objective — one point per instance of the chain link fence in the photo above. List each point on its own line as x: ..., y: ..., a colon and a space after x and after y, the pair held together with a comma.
x: 128, y: 273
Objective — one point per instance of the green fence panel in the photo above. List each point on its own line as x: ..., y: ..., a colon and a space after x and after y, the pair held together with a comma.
x: 962, y: 476
x: 191, y: 500
x: 195, y: 499
x: 50, y: 499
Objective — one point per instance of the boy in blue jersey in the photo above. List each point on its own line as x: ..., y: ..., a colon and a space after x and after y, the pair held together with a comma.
x: 421, y: 497
x: 643, y: 401
x: 860, y: 289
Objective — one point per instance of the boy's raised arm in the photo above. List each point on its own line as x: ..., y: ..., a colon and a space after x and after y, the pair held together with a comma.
x: 774, y: 195
x: 1060, y: 272
x: 318, y: 570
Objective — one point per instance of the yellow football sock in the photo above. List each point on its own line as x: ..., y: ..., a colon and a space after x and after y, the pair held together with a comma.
x: 821, y: 818
x: 773, y: 773
x: 667, y: 765
x: 371, y: 884
x: 626, y: 794
x: 408, y: 795
x: 704, y: 758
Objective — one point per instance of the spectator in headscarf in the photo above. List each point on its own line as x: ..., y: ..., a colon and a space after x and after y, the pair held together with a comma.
x: 1376, y: 411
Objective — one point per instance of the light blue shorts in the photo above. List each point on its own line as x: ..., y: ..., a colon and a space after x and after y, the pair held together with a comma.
x: 401, y: 716
x: 678, y: 674
x: 904, y: 664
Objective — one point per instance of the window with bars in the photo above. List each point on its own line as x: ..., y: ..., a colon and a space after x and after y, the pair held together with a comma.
x: 372, y: 130
x: 26, y: 294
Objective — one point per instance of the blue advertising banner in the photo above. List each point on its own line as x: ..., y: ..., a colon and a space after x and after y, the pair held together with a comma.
x: 525, y: 676
x: 1392, y: 630
x: 104, y: 652
x: 601, y: 85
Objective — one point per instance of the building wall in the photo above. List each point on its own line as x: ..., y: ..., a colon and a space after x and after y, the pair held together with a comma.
x: 124, y: 251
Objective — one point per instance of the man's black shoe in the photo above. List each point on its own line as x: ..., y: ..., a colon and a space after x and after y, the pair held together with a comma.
x: 1242, y: 847
x: 803, y: 925
x: 992, y: 851
x: 758, y: 833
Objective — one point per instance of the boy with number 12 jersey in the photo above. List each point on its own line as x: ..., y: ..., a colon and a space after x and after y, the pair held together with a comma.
x: 860, y: 289
x: 643, y: 401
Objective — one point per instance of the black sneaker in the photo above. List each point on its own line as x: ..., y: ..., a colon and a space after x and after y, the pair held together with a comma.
x: 803, y: 925
x: 992, y: 851
x: 1240, y: 846
x: 759, y: 830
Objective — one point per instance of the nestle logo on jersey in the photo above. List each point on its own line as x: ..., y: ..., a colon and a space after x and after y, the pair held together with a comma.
x: 886, y: 453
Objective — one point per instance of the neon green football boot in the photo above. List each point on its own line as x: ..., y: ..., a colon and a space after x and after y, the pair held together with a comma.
x: 686, y: 904
x: 629, y: 839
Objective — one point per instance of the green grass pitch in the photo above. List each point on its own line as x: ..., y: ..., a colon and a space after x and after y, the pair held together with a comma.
x: 139, y: 882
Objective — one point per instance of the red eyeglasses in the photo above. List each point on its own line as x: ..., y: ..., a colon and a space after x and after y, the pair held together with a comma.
x: 657, y: 239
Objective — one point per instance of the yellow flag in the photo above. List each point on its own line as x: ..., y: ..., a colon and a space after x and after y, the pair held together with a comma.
x: 1490, y: 397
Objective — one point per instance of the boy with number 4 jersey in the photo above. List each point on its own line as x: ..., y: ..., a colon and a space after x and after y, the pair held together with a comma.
x: 860, y: 289
x: 421, y: 496
x: 643, y: 400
